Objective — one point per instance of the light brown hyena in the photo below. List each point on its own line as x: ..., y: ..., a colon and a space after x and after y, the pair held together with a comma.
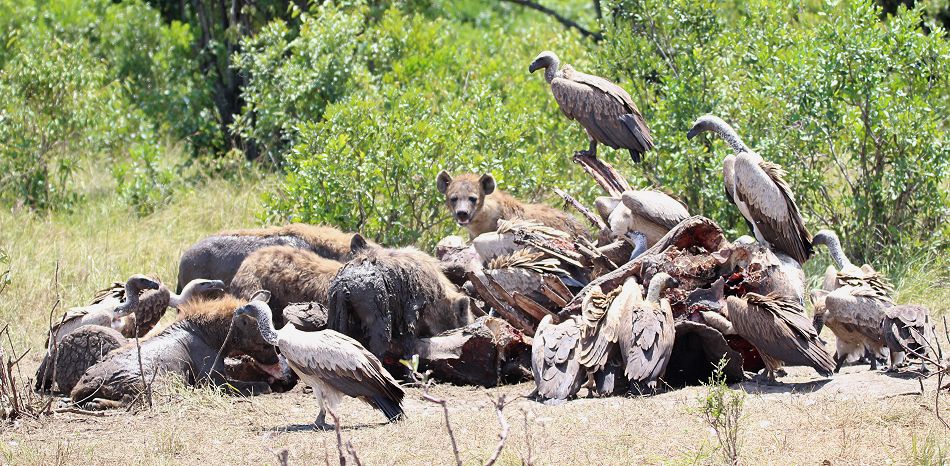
x: 476, y: 205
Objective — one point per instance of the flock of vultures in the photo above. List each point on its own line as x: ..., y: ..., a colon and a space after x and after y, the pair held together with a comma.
x: 645, y: 298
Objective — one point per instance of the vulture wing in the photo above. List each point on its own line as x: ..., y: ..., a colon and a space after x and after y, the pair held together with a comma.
x: 647, y: 342
x: 557, y: 373
x: 598, y: 341
x: 604, y: 109
x: 761, y: 187
x: 862, y: 308
x: 779, y: 329
x: 342, y: 363
x: 657, y: 206
x: 116, y: 293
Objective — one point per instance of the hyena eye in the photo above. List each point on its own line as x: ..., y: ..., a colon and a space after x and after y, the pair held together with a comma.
x: 473, y: 200
x: 454, y: 199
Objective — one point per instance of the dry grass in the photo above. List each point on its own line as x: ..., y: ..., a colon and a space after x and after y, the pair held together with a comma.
x: 102, y: 244
x: 199, y: 426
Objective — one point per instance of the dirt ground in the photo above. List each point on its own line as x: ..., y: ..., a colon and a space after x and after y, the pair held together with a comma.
x: 857, y: 417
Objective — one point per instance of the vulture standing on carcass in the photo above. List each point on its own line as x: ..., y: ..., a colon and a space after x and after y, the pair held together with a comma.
x: 105, y: 309
x: 758, y: 189
x: 332, y: 364
x: 645, y: 212
x: 606, y: 111
x: 906, y: 328
x: 779, y: 330
x: 555, y: 351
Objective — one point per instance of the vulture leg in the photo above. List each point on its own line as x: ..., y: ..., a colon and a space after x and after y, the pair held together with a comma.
x: 839, y: 360
x: 591, y: 149
x: 321, y: 421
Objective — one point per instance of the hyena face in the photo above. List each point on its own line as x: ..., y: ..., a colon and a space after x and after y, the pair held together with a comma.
x: 465, y: 194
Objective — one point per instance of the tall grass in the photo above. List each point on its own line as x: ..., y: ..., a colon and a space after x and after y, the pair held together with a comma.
x: 103, y: 241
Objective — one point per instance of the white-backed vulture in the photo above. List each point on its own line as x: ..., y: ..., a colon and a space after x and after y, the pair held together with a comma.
x: 650, y: 212
x: 907, y: 327
x: 331, y: 363
x: 646, y: 335
x: 759, y: 190
x: 779, y: 330
x: 854, y: 315
x: 606, y: 111
x: 555, y: 351
x: 847, y: 273
x: 104, y: 309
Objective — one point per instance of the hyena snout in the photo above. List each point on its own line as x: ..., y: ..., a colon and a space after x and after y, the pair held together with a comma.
x: 463, y: 216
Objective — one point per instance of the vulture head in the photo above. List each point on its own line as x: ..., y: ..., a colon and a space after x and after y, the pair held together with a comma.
x: 717, y: 125
x: 134, y: 286
x: 547, y: 60
x: 204, y: 288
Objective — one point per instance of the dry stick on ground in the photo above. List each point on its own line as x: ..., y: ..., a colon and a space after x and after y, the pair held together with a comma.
x: 448, y: 424
x: 527, y: 439
x: 593, y: 219
x: 503, y: 435
x: 604, y: 174
x: 339, y: 436
x: 146, y: 387
x: 80, y: 411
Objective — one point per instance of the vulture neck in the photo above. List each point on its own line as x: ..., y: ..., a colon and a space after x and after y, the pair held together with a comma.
x: 176, y: 300
x: 553, y: 70
x: 131, y: 299
x: 656, y: 287
x: 639, y: 244
x: 837, y: 253
x: 265, y: 323
x: 731, y: 137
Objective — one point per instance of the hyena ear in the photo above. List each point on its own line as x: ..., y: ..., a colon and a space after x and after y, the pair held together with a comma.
x: 488, y: 183
x: 358, y: 243
x: 443, y: 180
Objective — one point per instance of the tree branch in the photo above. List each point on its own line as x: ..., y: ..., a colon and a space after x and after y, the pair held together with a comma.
x: 596, y: 36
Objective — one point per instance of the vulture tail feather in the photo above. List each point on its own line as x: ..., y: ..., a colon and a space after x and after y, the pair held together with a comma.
x: 391, y: 408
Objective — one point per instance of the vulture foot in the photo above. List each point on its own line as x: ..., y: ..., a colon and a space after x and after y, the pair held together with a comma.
x: 586, y: 153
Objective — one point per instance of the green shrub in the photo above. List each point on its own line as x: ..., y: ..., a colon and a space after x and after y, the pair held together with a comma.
x: 449, y: 96
x: 55, y: 106
x: 853, y: 107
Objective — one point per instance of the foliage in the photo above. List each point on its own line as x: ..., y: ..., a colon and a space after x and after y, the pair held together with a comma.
x: 142, y: 182
x: 444, y: 95
x: 721, y: 410
x: 53, y: 106
x: 851, y: 106
x: 83, y: 82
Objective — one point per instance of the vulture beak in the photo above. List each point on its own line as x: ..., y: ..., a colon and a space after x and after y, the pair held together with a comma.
x: 693, y: 132
x: 536, y: 65
x: 151, y: 285
x: 217, y: 285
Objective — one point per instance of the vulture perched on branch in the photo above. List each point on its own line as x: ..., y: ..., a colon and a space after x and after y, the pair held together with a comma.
x: 331, y: 363
x: 606, y: 111
x: 759, y: 190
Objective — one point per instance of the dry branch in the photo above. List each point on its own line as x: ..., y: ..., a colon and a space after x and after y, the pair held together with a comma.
x: 570, y: 24
x: 593, y: 219
x: 604, y: 174
x: 448, y: 424
x: 503, y: 435
x: 513, y: 316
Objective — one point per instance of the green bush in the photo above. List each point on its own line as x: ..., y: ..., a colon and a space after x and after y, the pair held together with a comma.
x: 55, y: 105
x: 445, y: 95
x: 853, y: 107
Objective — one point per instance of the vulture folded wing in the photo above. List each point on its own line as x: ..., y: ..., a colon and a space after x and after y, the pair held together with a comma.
x: 601, y: 107
x: 116, y: 293
x: 859, y: 308
x: 777, y: 329
x: 657, y: 206
x: 557, y: 373
x: 341, y: 363
x: 760, y: 185
x: 597, y: 345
